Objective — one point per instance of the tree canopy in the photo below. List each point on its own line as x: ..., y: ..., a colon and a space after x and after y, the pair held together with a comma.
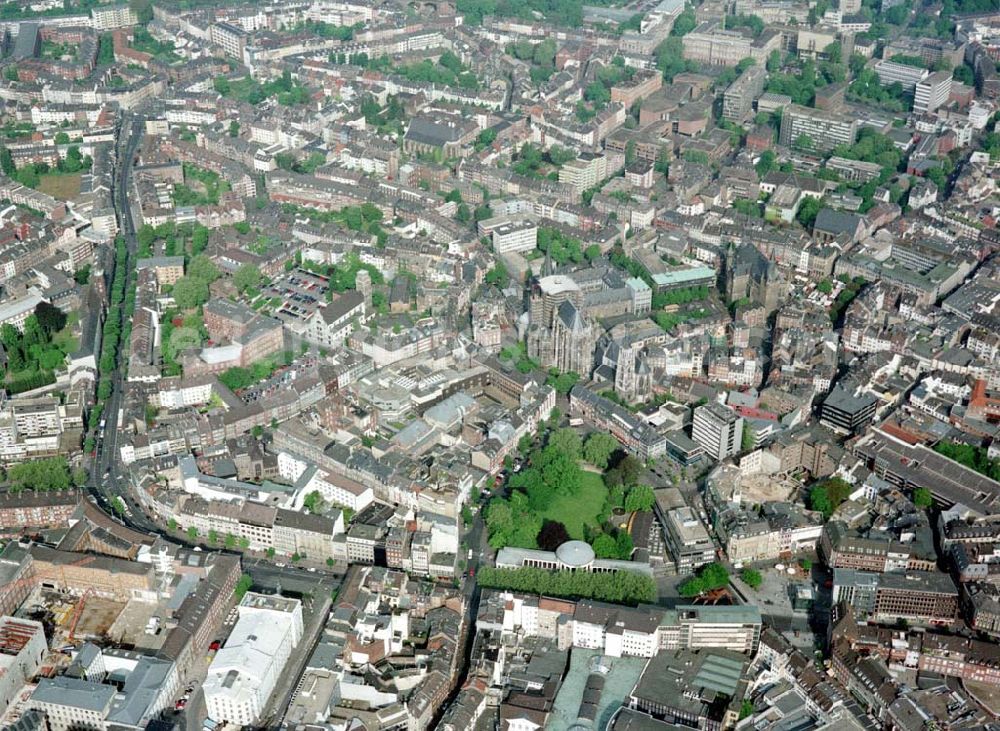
x: 826, y: 496
x: 598, y: 449
x: 622, y: 587
x: 709, y: 577
x: 40, y: 475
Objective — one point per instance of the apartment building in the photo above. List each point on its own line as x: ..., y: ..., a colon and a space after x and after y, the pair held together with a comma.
x: 781, y: 531
x: 166, y: 269
x: 329, y: 326
x: 824, y: 129
x: 634, y: 433
x: 230, y: 38
x: 584, y: 172
x: 110, y: 17
x: 737, y: 101
x: 39, y: 427
x: 37, y: 509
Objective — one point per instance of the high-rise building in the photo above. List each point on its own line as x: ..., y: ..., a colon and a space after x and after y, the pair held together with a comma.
x: 230, y: 38
x: 547, y: 293
x: 931, y: 92
x: 737, y: 102
x: 584, y: 172
x: 718, y: 429
x: 824, y: 129
x: 640, y: 294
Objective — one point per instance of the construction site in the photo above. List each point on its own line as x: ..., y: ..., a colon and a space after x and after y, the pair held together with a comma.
x: 108, y: 622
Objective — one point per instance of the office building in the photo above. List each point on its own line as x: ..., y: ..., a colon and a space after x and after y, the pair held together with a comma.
x: 107, y: 690
x: 625, y: 631
x: 687, y: 540
x: 737, y: 102
x: 70, y: 704
x: 711, y: 44
x: 685, y: 687
x: 926, y: 597
x: 846, y: 410
x: 246, y: 669
x: 823, y: 130
x: 683, y: 277
x: 890, y: 72
x: 718, y: 429
x: 515, y: 236
x: 930, y: 50
x: 857, y: 588
x: 931, y: 92
x: 690, y: 627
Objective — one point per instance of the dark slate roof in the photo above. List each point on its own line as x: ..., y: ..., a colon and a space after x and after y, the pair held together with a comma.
x: 836, y: 222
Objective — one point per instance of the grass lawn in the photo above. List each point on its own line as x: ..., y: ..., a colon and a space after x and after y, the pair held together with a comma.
x: 65, y: 340
x: 62, y: 186
x: 581, y: 509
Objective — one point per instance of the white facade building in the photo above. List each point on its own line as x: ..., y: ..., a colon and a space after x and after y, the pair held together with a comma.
x: 520, y: 236
x: 114, y: 16
x: 718, y: 429
x: 245, y: 671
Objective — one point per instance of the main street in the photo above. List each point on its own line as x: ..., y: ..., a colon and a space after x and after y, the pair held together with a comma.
x: 108, y: 482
